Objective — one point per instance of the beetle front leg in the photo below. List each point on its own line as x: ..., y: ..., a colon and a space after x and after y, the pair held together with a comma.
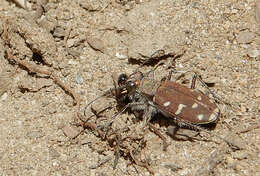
x: 148, y: 111
x: 147, y: 115
x: 137, y: 106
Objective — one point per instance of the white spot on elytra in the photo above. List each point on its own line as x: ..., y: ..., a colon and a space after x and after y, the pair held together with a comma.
x: 195, y: 105
x: 180, y: 107
x: 167, y: 103
x: 200, y: 116
x: 199, y: 98
x: 214, y: 115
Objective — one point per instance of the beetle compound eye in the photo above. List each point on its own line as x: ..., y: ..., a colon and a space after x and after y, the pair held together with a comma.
x: 130, y: 86
x: 122, y: 79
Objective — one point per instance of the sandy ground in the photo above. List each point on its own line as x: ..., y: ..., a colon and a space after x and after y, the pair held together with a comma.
x: 83, y: 43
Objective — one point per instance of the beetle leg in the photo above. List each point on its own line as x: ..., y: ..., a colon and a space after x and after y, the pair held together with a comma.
x: 193, y: 81
x: 196, y: 77
x: 147, y: 116
x: 149, y: 110
x: 138, y: 114
x: 137, y: 106
x: 169, y: 76
x: 173, y: 70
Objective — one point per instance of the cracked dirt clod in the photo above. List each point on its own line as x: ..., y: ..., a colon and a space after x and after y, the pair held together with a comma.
x: 96, y: 44
x: 71, y: 131
x: 5, y: 83
x: 245, y: 37
x: 39, y: 69
x: 37, y: 39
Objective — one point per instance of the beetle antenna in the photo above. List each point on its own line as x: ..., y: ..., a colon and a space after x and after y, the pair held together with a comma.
x: 106, y: 93
x: 114, y: 117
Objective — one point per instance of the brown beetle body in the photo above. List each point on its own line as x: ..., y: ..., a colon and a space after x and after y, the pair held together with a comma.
x: 187, y: 104
x: 171, y: 99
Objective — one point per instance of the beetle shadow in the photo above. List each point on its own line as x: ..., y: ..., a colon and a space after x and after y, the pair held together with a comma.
x: 149, y: 61
x: 175, y: 131
x: 182, y: 132
x: 154, y: 59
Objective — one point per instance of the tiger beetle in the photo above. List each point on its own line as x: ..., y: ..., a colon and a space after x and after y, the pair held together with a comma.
x: 146, y: 96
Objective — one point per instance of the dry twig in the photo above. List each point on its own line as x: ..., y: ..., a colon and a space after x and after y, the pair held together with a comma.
x: 37, y: 69
x: 140, y: 163
x: 250, y: 128
x: 157, y: 132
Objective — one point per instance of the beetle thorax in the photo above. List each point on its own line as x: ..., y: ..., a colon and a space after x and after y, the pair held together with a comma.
x: 148, y: 86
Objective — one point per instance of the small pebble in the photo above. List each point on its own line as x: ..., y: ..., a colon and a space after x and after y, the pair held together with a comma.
x: 253, y: 53
x: 257, y: 92
x: 238, y: 167
x: 59, y: 32
x: 184, y: 172
x: 243, y: 108
x: 172, y: 167
x: 70, y: 131
x: 19, y: 122
x: 71, y: 42
x: 230, y: 160
x: 96, y: 44
x: 79, y: 79
x: 4, y: 96
x: 91, y: 5
x: 218, y: 57
x: 72, y: 62
x: 53, y: 153
x: 240, y: 155
x: 120, y: 56
x: 245, y: 37
x: 34, y: 134
x: 54, y: 163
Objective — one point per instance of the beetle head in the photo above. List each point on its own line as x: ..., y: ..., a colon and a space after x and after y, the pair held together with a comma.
x: 128, y: 84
